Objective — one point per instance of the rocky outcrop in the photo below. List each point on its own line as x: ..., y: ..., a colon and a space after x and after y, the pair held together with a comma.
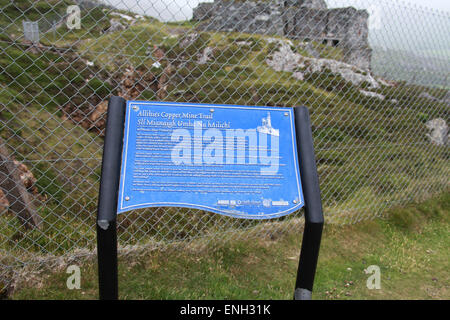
x: 439, y: 132
x: 247, y: 16
x: 115, y: 26
x: 445, y: 99
x: 313, y: 4
x: 346, y: 28
x: 203, y: 11
x: 285, y: 59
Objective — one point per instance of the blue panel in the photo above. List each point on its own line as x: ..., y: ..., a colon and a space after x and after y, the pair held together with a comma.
x: 238, y: 161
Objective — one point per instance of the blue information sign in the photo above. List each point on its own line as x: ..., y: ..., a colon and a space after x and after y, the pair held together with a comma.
x: 239, y: 161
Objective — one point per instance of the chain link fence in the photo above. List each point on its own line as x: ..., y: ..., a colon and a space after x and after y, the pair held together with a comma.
x: 374, y: 74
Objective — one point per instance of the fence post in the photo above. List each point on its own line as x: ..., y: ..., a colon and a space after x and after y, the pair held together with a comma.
x: 107, y: 202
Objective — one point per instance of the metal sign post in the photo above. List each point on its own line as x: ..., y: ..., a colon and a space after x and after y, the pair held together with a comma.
x: 209, y: 157
x: 312, y: 233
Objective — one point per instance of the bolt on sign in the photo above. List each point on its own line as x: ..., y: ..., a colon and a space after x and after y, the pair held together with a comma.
x: 245, y: 162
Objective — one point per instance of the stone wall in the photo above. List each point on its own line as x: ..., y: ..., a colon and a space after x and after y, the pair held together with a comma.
x: 295, y: 19
x: 263, y: 17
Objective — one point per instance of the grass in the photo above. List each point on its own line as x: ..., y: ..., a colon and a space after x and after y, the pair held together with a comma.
x: 410, y: 245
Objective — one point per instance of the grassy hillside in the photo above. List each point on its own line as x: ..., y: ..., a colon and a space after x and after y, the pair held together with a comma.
x: 410, y: 246
x: 371, y: 153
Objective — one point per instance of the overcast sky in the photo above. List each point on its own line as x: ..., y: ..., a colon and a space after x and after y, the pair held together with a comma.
x: 443, y: 5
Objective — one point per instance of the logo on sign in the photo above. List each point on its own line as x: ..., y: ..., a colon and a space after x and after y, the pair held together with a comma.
x: 220, y: 147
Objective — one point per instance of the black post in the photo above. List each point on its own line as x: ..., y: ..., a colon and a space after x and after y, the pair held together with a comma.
x: 107, y: 201
x: 313, y: 206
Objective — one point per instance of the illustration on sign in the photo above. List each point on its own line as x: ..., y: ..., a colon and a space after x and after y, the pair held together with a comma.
x: 239, y: 161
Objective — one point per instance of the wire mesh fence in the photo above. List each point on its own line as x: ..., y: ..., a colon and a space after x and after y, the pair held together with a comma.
x: 374, y: 74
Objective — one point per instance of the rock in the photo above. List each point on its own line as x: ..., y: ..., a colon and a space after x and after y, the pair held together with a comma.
x: 115, y: 26
x: 189, y: 39
x: 284, y: 59
x: 386, y: 83
x: 306, y: 23
x: 312, y: 4
x: 445, y: 99
x: 203, y: 11
x: 372, y: 94
x: 133, y: 82
x: 295, y: 19
x: 98, y: 116
x: 12, y: 178
x: 298, y: 75
x: 123, y: 16
x: 311, y: 50
x: 4, y: 203
x: 426, y: 95
x: 206, y: 55
x: 243, y: 43
x: 164, y: 81
x: 359, y: 57
x: 158, y: 53
x: 156, y: 65
x: 247, y: 16
x: 129, y: 84
x: 26, y: 176
x: 439, y: 131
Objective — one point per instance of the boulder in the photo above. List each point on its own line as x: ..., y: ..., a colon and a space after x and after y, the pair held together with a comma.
x: 20, y: 201
x: 206, y: 55
x: 115, y: 26
x: 284, y: 59
x: 439, y: 131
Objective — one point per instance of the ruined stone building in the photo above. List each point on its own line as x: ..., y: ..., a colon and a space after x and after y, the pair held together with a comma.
x: 304, y: 20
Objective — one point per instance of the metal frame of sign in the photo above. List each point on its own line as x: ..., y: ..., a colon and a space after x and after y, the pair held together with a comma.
x: 108, y: 202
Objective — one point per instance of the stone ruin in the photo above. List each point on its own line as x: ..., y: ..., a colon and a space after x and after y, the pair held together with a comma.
x: 305, y: 20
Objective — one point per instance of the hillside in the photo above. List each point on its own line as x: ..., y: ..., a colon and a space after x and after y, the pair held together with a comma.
x: 410, y: 247
x: 370, y: 134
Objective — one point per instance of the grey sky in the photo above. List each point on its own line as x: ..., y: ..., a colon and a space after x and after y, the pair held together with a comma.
x: 443, y: 5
